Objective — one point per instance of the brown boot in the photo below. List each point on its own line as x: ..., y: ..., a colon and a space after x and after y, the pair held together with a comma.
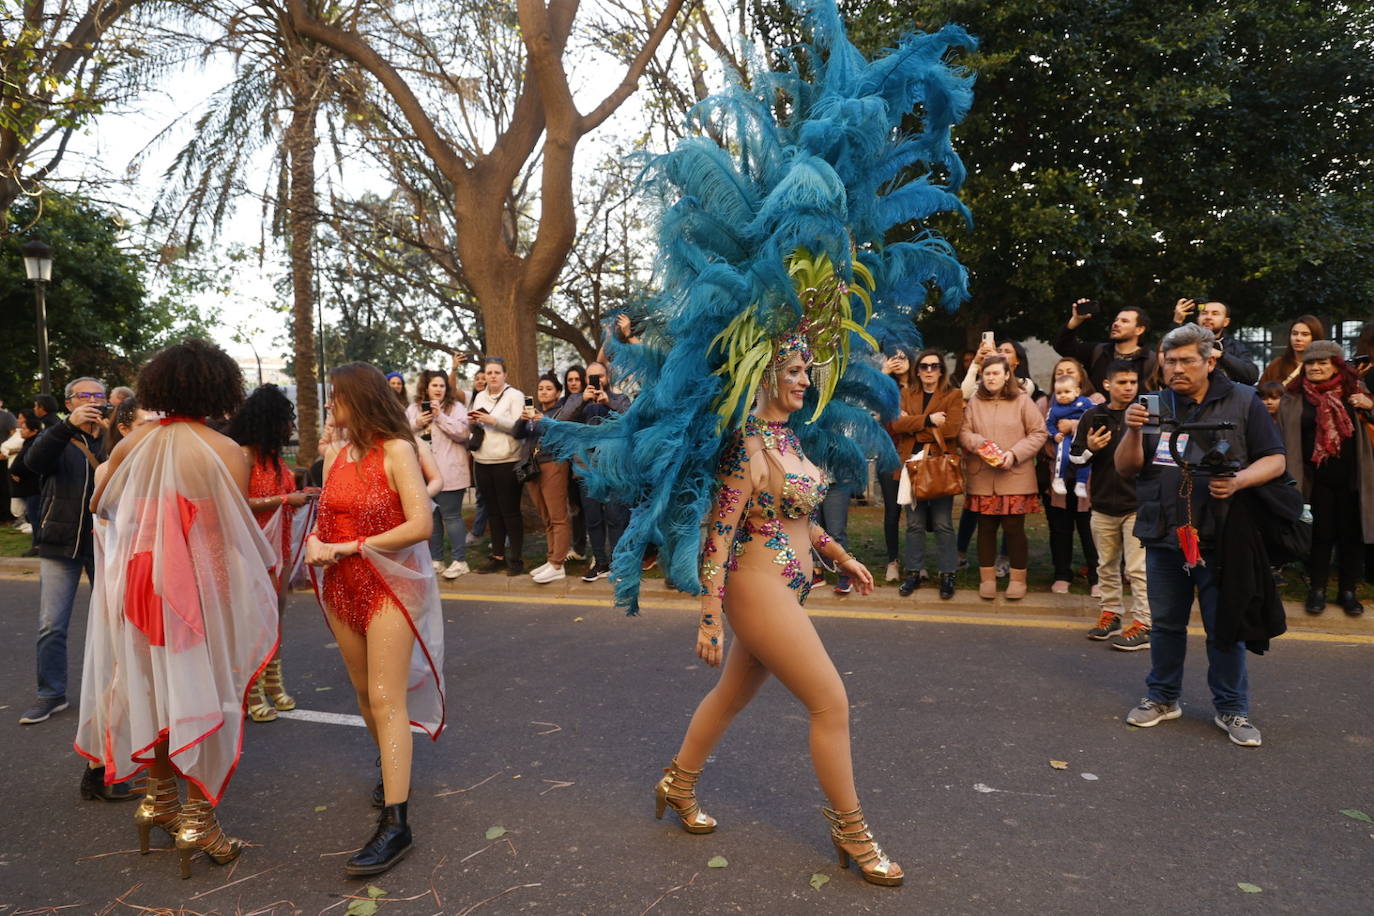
x: 987, y: 582
x: 1016, y: 587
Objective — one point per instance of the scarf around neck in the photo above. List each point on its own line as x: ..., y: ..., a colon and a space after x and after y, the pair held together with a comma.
x: 1332, y: 422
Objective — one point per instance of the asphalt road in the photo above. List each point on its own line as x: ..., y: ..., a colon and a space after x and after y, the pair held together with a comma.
x: 562, y: 715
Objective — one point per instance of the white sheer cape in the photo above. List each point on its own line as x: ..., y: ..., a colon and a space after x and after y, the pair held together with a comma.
x: 183, y: 614
x: 408, y: 576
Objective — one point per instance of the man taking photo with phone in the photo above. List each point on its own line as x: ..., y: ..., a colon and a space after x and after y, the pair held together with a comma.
x: 1127, y: 341
x: 1235, y: 359
x: 1179, y: 519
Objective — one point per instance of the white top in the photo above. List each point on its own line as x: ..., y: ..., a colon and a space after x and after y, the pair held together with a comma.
x: 498, y: 445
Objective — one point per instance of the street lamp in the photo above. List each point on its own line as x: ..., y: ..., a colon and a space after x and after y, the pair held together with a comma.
x: 38, y: 267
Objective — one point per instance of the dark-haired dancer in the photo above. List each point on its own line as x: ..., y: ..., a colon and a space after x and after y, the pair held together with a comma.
x: 183, y: 615
x: 378, y: 589
x: 261, y: 427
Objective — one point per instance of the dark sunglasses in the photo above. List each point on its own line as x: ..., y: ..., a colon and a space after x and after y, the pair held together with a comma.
x: 924, y: 366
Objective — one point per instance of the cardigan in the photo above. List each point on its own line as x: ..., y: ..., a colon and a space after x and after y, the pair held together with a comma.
x: 1017, y: 427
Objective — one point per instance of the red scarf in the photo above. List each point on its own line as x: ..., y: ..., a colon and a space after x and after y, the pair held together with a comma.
x: 1333, y: 421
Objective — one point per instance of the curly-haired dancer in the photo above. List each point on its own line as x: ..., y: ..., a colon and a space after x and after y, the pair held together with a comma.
x: 183, y: 614
x: 262, y: 427
x: 378, y: 589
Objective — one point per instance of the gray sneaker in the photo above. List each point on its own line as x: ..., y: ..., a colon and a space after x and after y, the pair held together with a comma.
x: 43, y: 709
x: 1238, y: 729
x: 1150, y: 713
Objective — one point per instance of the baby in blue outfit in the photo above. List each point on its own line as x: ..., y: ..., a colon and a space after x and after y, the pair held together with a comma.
x: 1069, y: 404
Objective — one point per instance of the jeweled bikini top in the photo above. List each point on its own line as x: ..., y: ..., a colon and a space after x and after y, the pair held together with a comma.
x: 801, y: 493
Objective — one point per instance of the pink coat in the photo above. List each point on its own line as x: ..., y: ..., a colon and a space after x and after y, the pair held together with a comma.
x: 1018, y: 427
x: 448, y: 441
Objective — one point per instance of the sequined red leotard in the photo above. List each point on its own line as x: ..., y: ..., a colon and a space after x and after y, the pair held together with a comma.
x: 356, y: 502
x: 265, y: 481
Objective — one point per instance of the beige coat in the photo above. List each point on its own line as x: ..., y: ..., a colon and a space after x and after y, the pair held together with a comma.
x: 1018, y: 427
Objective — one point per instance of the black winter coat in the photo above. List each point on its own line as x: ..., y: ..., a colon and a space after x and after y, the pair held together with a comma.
x: 68, y: 485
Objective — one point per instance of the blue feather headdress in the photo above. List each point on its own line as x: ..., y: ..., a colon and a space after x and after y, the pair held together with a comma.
x: 809, y: 172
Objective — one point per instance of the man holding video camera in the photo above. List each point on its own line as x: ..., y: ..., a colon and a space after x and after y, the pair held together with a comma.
x: 65, y: 456
x: 1127, y: 342
x: 1180, y: 510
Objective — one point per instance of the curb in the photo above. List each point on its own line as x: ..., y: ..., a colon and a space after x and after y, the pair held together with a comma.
x: 884, y: 598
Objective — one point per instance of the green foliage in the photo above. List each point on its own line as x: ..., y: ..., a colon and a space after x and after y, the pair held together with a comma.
x: 1136, y: 152
x: 101, y: 321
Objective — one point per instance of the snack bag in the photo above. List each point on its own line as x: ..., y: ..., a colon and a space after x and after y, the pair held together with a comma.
x: 992, y: 453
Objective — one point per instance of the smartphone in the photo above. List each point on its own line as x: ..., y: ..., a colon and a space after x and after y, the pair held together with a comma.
x: 1099, y: 423
x: 593, y: 381
x: 990, y: 338
x: 1091, y: 307
x: 106, y: 410
x: 424, y: 406
x: 1359, y: 359
x: 529, y: 401
x: 1151, y: 403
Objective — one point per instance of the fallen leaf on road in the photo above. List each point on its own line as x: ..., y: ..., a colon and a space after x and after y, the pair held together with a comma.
x: 985, y: 789
x: 717, y: 862
x: 1059, y: 764
x: 1090, y: 777
x: 1357, y: 815
x: 1250, y: 888
x: 577, y: 620
x: 495, y: 833
x: 374, y: 891
x: 818, y: 880
x: 319, y: 808
x: 361, y: 908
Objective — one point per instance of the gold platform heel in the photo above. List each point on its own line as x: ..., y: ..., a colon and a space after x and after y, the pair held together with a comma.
x: 200, y: 831
x: 160, y: 807
x: 276, y: 689
x: 849, y: 827
x: 678, y: 790
x: 259, y: 708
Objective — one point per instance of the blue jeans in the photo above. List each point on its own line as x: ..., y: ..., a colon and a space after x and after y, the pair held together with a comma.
x: 57, y: 583
x: 834, y: 514
x: 448, y: 516
x: 1171, y: 589
x: 479, y: 518
x: 606, y: 522
x: 938, y: 515
x: 31, y: 515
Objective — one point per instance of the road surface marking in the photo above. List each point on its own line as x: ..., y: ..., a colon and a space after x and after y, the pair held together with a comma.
x: 330, y: 718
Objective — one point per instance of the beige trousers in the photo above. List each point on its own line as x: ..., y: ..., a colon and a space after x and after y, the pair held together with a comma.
x: 1114, y: 537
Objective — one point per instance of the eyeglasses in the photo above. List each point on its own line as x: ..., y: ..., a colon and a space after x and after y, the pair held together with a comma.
x: 1186, y: 363
x: 89, y: 395
x: 932, y: 367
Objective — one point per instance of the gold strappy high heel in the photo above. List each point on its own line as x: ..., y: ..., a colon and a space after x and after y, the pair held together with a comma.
x: 678, y: 790
x: 849, y: 827
x: 200, y: 830
x: 276, y: 690
x: 160, y: 807
x: 259, y: 708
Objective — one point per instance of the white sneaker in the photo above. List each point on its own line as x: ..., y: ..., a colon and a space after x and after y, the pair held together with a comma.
x: 26, y: 528
x: 1080, y: 490
x: 548, y: 573
x: 438, y: 566
x: 534, y: 573
x: 574, y: 555
x: 455, y: 569
x: 892, y: 573
x: 1058, y: 486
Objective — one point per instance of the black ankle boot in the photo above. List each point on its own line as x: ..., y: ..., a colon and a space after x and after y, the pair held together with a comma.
x: 93, y: 787
x: 387, y: 846
x: 1350, y: 604
x: 1316, y: 601
x: 909, y: 584
x: 946, y: 585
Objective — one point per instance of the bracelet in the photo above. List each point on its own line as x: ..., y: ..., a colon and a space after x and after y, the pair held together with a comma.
x: 360, y: 543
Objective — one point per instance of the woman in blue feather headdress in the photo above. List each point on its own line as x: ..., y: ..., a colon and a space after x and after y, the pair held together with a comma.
x: 776, y: 270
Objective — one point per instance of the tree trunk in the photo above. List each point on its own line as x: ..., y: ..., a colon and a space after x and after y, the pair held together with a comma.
x: 300, y: 151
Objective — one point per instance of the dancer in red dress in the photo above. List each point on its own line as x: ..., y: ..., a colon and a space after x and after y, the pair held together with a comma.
x: 182, y: 616
x: 262, y: 427
x: 378, y: 589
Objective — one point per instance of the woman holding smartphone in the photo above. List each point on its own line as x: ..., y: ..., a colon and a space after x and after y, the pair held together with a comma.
x: 439, y: 418
x: 262, y: 427
x: 497, y: 408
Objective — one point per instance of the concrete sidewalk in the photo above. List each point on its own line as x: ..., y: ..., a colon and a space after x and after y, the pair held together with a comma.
x: 884, y: 600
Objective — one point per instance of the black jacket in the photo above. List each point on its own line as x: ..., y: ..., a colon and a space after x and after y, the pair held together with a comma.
x: 1250, y: 609
x: 1111, y: 493
x: 68, y: 484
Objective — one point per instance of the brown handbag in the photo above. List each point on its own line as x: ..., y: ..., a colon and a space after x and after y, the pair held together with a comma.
x: 939, y: 473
